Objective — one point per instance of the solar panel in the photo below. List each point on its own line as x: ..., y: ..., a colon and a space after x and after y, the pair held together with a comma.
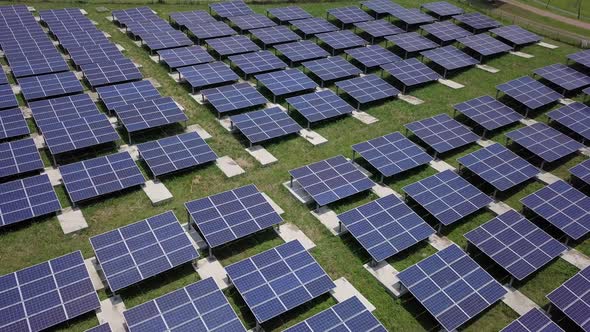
x: 13, y: 123
x: 232, y: 45
x: 165, y: 38
x: 321, y: 105
x: 410, y: 72
x: 63, y: 108
x: 529, y: 92
x: 571, y: 298
x: 515, y: 243
x: 47, y: 294
x: 451, y: 286
x: 207, y: 74
x: 385, y: 227
x: 411, y: 42
x: 533, y: 320
x: 290, y: 13
x: 332, y: 68
x: 234, y: 97
x: 544, y: 141
x: 563, y: 76
x: 94, y: 53
x: 99, y: 176
x: 275, y: 35
x: 127, y: 93
x: 392, y: 154
x: 231, y: 215
x: 286, y: 81
x: 367, y: 89
x: 230, y: 8
x: 410, y: 16
x: 449, y: 58
x: 442, y: 133
x: 257, y: 62
x: 378, y: 28
x: 582, y: 171
x: 349, y: 15
x: 575, y: 117
x: 135, y: 252
x: 340, y: 40
x: 200, y: 306
x: 105, y: 327
x: 488, y: 112
x: 442, y: 8
x: 477, y: 21
x: 516, y: 35
x: 348, y: 315
x: 112, y: 72
x: 3, y: 78
x: 184, y: 56
x: 251, y: 21
x: 485, y: 45
x: 191, y: 17
x: 210, y: 30
x: 445, y: 31
x: 7, y: 98
x: 447, y: 196
x: 330, y: 180
x: 265, y: 124
x: 278, y: 280
x: 301, y: 51
x: 372, y: 56
x: 150, y: 114
x: 78, y: 133
x: 313, y: 25
x: 19, y: 157
x: 175, y: 153
x: 563, y: 206
x: 49, y: 85
x: 582, y: 57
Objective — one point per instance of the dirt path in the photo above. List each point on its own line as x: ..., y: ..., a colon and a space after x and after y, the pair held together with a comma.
x: 549, y: 14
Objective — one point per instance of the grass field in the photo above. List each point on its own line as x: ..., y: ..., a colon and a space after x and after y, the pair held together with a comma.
x: 563, y: 7
x: 38, y: 241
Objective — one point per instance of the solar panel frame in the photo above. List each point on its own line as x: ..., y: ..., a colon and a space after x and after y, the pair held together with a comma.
x: 62, y: 108
x: 113, y: 72
x: 3, y: 78
x: 286, y: 82
x: 449, y: 58
x: 485, y: 45
x: 190, y: 17
x: 529, y: 92
x: 94, y: 53
x: 313, y: 25
x: 13, y: 123
x: 410, y: 16
x: 570, y: 298
x: 410, y: 72
x: 143, y: 249
x: 184, y: 56
x: 49, y: 85
x: 330, y: 180
x: 563, y: 76
x: 488, y: 112
x: 150, y: 114
x: 378, y: 28
x: 231, y: 8
x: 411, y: 42
x: 368, y: 88
x: 18, y: 157
x: 372, y: 56
x: 582, y: 171
x: 442, y: 133
x: 533, y: 320
x: 516, y: 35
x: 275, y: 35
x: 251, y: 21
x: 477, y: 21
x: 257, y: 62
x: 7, y: 97
x: 287, y: 274
x: 320, y: 105
x: 207, y: 74
x: 445, y: 31
x: 331, y: 69
x: 114, y: 96
x: 289, y: 13
x: 575, y: 117
x: 442, y: 8
x: 264, y: 125
x: 203, y: 31
x: 230, y: 215
x: 349, y: 15
x: 341, y: 40
x: 232, y: 45
x: 581, y: 57
x: 229, y: 98
x: 301, y: 51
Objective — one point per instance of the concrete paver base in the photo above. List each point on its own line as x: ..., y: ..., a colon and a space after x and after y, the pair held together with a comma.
x: 111, y: 311
x: 312, y: 137
x: 71, y: 220
x: 225, y: 122
x: 451, y: 84
x: 156, y: 192
x: 297, y: 191
x: 499, y: 207
x: 54, y: 175
x: 576, y: 258
x: 289, y: 232
x: 487, y: 68
x: 195, y: 238
x: 329, y: 219
x: 518, y: 301
x: 132, y: 149
x: 382, y: 191
x: 229, y: 167
x: 522, y: 54
x: 439, y: 242
x: 387, y: 276
x: 92, y: 267
x: 345, y: 290
x: 410, y: 99
x: 39, y: 140
x: 272, y: 203
x: 364, y: 117
x: 199, y: 130
x: 441, y: 165
x: 547, y: 45
x: 547, y: 178
x: 261, y: 155
x: 210, y: 267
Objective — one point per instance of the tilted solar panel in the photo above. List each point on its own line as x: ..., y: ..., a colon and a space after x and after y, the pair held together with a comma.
x: 581, y: 57
x: 232, y: 45
x: 332, y: 68
x: 13, y: 123
x: 290, y: 13
x: 62, y: 109
x: 210, y: 30
x: 105, y: 327
x: 49, y: 85
x: 275, y: 35
x: 257, y: 62
x: 265, y: 124
x: 410, y: 16
x: 367, y: 89
x: 150, y: 114
x: 340, y: 40
x: 531, y: 321
x: 7, y: 97
x: 301, y: 51
x: 94, y: 53
x: 184, y: 56
x: 349, y: 15
x: 372, y: 56
x: 410, y: 72
x: 207, y: 74
x: 286, y: 81
x: 230, y: 8
x: 477, y: 21
x: 191, y: 17
x: 442, y: 8
x: 488, y: 112
x: 411, y: 42
x: 112, y: 72
x: 449, y: 58
x: 516, y: 35
x: 571, y: 298
x: 234, y: 97
x: 529, y: 92
x: 485, y: 45
x: 445, y: 31
x: 563, y: 76
x: 321, y: 105
x: 313, y: 25
x: 251, y: 21
x: 582, y: 171
x: 380, y: 6
x: 3, y: 78
x: 442, y: 133
x: 575, y: 117
x: 17, y: 157
x: 378, y: 28
x: 127, y: 93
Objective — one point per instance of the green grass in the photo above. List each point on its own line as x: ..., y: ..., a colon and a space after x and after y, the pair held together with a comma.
x: 568, y: 7
x: 43, y: 239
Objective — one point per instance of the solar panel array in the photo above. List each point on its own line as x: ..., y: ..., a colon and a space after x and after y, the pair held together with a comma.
x: 174, y: 153
x: 442, y: 133
x: 207, y: 74
x: 380, y: 6
x: 290, y: 13
x: 516, y: 35
x: 450, y: 58
x: 265, y: 124
x: 234, y: 97
x: 232, y: 45
x: 563, y: 206
x: 447, y: 196
x: 61, y: 109
x: 445, y: 31
x: 47, y: 294
x: 477, y: 21
x: 411, y: 16
x: 392, y: 154
x: 372, y: 56
x: 571, y: 298
x: 94, y: 53
x: 529, y: 92
x: 184, y: 56
x: 150, y: 114
x: 348, y: 315
x: 17, y: 157
x: 313, y: 25
x: 301, y: 51
x: 286, y: 81
x: 485, y: 44
x: 544, y: 141
x: 451, y: 286
x: 257, y: 62
x: 278, y: 280
x: 127, y: 93
x: 582, y: 171
x: 7, y: 97
x: 13, y: 123
x: 100, y: 176
x: 332, y: 68
x: 231, y: 215
x: 208, y: 30
x: 332, y: 179
x: 349, y: 15
x: 442, y: 8
x: 275, y: 35
x: 110, y: 72
x: 367, y: 88
x: 231, y: 8
x: 378, y: 28
x: 27, y: 198
x: 533, y: 320
x: 488, y: 112
x: 321, y: 105
x: 187, y: 18
x: 49, y: 85
x: 385, y: 227
x: 563, y: 76
x: 575, y: 117
x: 340, y: 40
x: 200, y: 306
x: 411, y: 72
x: 251, y: 21
x: 411, y: 42
x: 135, y: 252
x: 581, y: 57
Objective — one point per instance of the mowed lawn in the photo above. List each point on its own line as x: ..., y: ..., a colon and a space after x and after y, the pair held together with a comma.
x: 38, y: 241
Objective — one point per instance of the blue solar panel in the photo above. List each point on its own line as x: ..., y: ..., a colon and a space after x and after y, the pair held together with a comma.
x: 515, y: 244
x: 488, y: 112
x: 163, y: 39
x: 251, y: 21
x: 232, y: 215
x: 515, y: 35
x: 200, y: 306
x: 410, y: 16
x: 442, y: 8
x: 442, y: 133
x: 275, y: 35
x: 529, y: 92
x: 301, y: 51
x: 150, y: 114
x: 99, y: 176
x: 367, y: 89
x: 175, y: 153
x: 278, y: 280
x: 392, y: 154
x: 410, y: 72
x: 582, y: 171
x: 385, y: 227
x: 191, y: 17
x: 13, y: 123
x: 232, y: 45
x: 320, y: 105
x: 112, y: 72
x: 230, y: 8
x: 445, y: 31
x: 447, y: 196
x: 127, y: 93
x: 94, y: 53
x: 378, y: 28
x: 332, y: 68
x: 257, y: 62
x: 7, y: 97
x: 532, y: 321
x: 50, y: 85
x: 290, y: 13
x: 47, y: 294
x: 105, y: 327
x: 449, y: 58
x: 207, y: 74
x: 313, y: 25
x: 451, y: 286
x: 330, y: 180
x: 572, y: 298
x: 477, y: 21
x: 234, y: 97
x: 349, y: 15
x: 62, y: 109
x: 563, y: 206
x: 372, y: 56
x: 143, y: 249
x: 3, y: 78
x: 341, y: 40
x: 18, y: 157
x: 575, y: 117
x: 286, y: 81
x: 348, y: 315
x: 411, y: 42
x: 544, y: 141
x: 265, y: 124
x: 184, y: 56
x: 485, y: 45
x: 582, y: 57
x: 210, y: 30
x: 563, y: 76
